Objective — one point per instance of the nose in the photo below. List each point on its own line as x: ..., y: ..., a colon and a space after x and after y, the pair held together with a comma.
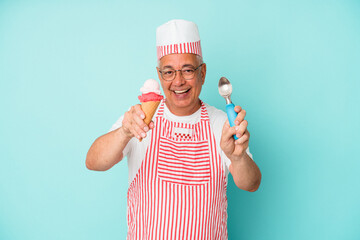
x: 178, y: 80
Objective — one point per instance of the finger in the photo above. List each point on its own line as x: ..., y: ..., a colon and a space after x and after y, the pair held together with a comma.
x: 138, y: 118
x: 243, y: 139
x: 228, y: 131
x: 138, y: 132
x: 133, y: 113
x: 139, y: 111
x: 140, y: 124
x: 135, y: 134
x: 237, y: 109
x: 134, y: 123
x: 240, y: 117
x: 151, y: 125
x: 240, y: 130
x: 226, y: 124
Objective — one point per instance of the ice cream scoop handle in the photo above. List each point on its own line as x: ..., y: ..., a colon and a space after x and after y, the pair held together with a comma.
x: 231, y: 115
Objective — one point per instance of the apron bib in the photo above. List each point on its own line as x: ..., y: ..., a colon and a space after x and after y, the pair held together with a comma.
x: 179, y: 191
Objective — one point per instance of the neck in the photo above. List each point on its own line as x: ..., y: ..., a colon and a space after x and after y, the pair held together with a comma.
x: 184, y: 111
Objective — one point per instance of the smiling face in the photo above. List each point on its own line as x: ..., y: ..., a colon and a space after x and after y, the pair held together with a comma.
x: 182, y: 96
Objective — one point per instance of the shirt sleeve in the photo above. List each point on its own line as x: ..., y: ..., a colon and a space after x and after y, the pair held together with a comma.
x: 117, y: 125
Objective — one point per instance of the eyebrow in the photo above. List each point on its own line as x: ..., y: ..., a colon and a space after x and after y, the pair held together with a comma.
x: 185, y: 65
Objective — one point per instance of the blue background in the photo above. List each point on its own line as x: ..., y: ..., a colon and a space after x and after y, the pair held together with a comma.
x: 69, y: 69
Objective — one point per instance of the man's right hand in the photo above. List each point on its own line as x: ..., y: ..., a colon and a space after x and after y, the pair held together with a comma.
x: 107, y: 150
x: 133, y: 124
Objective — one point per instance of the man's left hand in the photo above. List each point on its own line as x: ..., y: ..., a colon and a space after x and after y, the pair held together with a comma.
x: 235, y: 149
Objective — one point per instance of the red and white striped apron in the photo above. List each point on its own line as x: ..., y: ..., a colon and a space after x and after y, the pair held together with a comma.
x: 179, y: 191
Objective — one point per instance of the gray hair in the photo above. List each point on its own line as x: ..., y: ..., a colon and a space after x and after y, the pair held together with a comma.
x: 199, y: 58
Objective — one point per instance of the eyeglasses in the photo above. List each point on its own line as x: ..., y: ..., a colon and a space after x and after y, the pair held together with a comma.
x: 188, y: 73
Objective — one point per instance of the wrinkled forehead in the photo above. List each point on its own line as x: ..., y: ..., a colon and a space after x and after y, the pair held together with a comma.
x: 179, y: 60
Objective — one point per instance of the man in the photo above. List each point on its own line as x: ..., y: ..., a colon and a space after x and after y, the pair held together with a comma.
x: 178, y: 171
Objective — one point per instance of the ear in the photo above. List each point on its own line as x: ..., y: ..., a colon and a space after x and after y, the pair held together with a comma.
x: 159, y: 75
x: 203, y: 73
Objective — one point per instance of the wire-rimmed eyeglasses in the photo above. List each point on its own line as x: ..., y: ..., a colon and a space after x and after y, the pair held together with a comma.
x: 187, y: 72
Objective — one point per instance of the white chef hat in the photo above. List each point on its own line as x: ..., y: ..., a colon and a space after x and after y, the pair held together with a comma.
x: 177, y: 36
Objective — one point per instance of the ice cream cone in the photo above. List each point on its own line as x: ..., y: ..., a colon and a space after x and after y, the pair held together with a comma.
x: 149, y: 108
x: 150, y: 99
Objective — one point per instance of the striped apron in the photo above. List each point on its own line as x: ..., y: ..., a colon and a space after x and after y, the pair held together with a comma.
x: 179, y: 191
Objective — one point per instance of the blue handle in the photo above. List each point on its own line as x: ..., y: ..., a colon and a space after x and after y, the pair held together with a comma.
x: 231, y: 115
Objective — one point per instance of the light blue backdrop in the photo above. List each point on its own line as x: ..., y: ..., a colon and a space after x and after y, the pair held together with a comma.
x: 69, y: 69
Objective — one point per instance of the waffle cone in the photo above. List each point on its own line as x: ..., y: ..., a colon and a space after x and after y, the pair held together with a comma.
x: 149, y: 108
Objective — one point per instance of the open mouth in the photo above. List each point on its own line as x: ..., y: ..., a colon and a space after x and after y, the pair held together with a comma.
x: 182, y: 91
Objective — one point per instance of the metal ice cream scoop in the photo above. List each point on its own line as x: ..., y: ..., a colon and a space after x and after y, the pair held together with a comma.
x: 225, y: 90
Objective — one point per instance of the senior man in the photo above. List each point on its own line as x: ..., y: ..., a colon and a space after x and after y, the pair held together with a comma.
x: 178, y: 182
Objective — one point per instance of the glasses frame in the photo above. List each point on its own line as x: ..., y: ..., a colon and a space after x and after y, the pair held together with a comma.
x: 161, y: 72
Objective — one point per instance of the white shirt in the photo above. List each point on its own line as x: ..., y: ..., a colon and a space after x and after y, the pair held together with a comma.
x: 135, y: 150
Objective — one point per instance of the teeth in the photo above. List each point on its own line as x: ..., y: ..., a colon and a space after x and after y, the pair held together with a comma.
x: 181, y: 91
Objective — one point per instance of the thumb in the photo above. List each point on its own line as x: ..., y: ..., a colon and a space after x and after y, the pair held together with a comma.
x: 227, y: 131
x: 226, y: 125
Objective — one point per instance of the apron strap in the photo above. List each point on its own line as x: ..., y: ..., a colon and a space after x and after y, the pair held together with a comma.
x: 204, y: 114
x: 160, y: 111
